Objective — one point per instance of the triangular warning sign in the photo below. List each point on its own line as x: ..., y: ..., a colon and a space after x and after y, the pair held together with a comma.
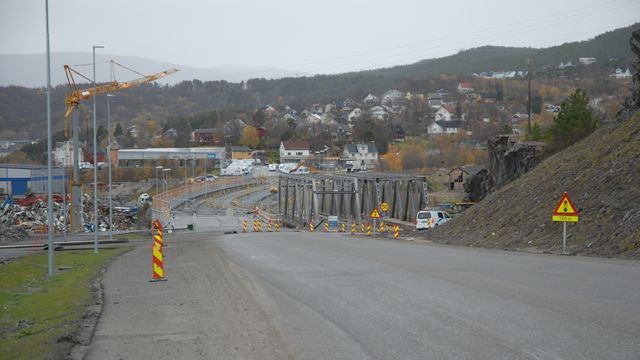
x: 565, y: 206
x: 375, y: 214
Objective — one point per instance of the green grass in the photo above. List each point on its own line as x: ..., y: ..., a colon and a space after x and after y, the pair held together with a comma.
x: 36, y: 310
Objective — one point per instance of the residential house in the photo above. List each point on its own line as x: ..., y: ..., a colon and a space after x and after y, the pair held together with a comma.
x: 398, y: 133
x: 458, y: 176
x: 294, y: 150
x: 517, y: 117
x: 434, y: 103
x: 378, y: 113
x: 444, y: 113
x: 269, y: 111
x: 444, y: 127
x: 354, y: 114
x: 587, y: 60
x: 360, y: 156
x: 370, y: 100
x: 240, y: 152
x: 392, y: 97
x: 465, y: 88
x: 565, y: 65
x: 63, y: 154
x: 262, y: 132
x: 619, y: 74
x: 212, y: 136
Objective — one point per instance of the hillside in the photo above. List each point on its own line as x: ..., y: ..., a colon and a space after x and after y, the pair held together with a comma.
x: 22, y: 110
x: 600, y: 173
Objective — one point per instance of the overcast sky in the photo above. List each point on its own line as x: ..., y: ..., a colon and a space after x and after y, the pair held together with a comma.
x: 310, y: 36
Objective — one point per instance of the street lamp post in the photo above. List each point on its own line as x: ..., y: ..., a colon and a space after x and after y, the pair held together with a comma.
x: 157, y: 168
x: 95, y: 157
x: 164, y: 179
x: 109, y: 167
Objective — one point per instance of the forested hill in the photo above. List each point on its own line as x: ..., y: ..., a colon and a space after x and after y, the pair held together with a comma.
x: 22, y: 110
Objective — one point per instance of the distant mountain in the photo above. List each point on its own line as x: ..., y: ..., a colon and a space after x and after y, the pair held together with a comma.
x: 29, y: 70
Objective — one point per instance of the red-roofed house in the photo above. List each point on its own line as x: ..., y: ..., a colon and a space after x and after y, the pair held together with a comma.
x: 465, y: 88
x: 294, y: 150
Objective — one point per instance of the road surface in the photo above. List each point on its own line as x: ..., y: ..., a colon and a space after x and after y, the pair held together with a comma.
x: 318, y: 296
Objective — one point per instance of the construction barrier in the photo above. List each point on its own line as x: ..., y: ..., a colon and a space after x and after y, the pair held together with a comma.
x: 259, y: 226
x: 353, y: 228
x: 277, y: 227
x: 362, y: 227
x: 157, y: 257
x: 326, y: 227
x: 269, y: 227
x: 244, y: 226
x: 396, y: 231
x: 343, y: 227
x: 156, y: 231
x: 255, y: 226
x: 368, y: 229
x: 311, y: 228
x: 381, y: 227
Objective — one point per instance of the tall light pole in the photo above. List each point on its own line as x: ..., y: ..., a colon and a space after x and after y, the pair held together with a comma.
x: 164, y: 178
x: 95, y: 158
x: 157, y: 168
x: 49, y: 168
x: 109, y: 167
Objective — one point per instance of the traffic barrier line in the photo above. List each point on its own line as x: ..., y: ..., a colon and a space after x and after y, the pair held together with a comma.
x: 157, y: 256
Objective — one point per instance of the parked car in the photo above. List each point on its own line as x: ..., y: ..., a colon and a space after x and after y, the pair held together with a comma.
x: 428, y: 219
x: 210, y: 178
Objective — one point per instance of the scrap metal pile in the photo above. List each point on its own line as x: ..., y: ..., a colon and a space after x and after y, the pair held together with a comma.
x: 19, y: 217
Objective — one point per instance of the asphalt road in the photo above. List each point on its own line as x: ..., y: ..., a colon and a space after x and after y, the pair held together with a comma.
x: 336, y: 297
x: 318, y: 296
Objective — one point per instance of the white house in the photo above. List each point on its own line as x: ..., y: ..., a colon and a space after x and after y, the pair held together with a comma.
x: 354, y: 114
x: 435, y: 129
x: 63, y: 154
x: 619, y: 74
x: 391, y: 96
x: 444, y: 127
x: 465, y: 88
x: 360, y: 156
x: 587, y: 60
x: 444, y: 113
x: 294, y: 150
x: 378, y: 112
x: 370, y: 100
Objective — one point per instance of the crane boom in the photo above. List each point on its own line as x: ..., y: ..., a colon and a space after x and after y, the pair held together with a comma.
x: 75, y: 95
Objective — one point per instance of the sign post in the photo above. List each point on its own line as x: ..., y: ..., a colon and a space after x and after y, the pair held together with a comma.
x: 565, y: 212
x: 375, y: 214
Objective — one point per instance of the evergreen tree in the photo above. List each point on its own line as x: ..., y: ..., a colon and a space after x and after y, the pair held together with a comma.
x: 118, y: 130
x: 574, y: 122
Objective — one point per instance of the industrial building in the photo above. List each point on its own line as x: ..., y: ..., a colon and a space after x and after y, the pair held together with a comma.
x: 22, y: 179
x: 137, y: 157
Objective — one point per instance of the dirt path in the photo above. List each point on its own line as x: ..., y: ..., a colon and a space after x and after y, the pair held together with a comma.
x: 204, y: 311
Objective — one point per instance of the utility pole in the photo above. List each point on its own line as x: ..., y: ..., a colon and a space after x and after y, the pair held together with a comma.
x: 529, y: 102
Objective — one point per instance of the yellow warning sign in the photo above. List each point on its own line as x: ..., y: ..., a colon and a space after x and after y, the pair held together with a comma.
x: 375, y: 214
x: 565, y: 210
x: 384, y: 207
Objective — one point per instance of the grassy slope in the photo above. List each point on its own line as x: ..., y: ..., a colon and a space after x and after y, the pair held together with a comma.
x: 600, y: 174
x: 50, y: 307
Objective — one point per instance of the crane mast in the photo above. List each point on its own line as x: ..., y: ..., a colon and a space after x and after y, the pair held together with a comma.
x: 72, y: 101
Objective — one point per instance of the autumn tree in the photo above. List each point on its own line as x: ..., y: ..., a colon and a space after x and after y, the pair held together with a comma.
x: 250, y: 137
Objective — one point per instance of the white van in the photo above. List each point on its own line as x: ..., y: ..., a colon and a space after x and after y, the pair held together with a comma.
x: 428, y: 219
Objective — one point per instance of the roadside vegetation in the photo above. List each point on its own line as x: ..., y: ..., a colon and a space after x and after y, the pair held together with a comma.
x: 40, y: 314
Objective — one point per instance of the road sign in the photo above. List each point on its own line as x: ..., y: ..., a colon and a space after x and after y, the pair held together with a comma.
x: 375, y: 214
x: 384, y: 207
x: 211, y: 156
x: 333, y: 221
x: 565, y: 210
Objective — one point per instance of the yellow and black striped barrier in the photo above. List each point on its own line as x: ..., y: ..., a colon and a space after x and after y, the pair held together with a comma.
x: 311, y: 228
x: 255, y: 226
x: 259, y: 226
x: 244, y: 226
x: 353, y: 228
x: 396, y: 231
x: 343, y: 227
x: 368, y: 229
x: 381, y: 228
x: 269, y: 227
x: 326, y: 227
x: 277, y: 227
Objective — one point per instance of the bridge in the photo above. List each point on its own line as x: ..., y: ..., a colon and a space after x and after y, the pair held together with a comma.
x: 351, y: 197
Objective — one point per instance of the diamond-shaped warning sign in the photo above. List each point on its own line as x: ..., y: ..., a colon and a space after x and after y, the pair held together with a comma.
x: 375, y: 214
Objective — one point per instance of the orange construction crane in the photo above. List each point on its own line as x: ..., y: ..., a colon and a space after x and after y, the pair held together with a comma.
x: 75, y: 95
